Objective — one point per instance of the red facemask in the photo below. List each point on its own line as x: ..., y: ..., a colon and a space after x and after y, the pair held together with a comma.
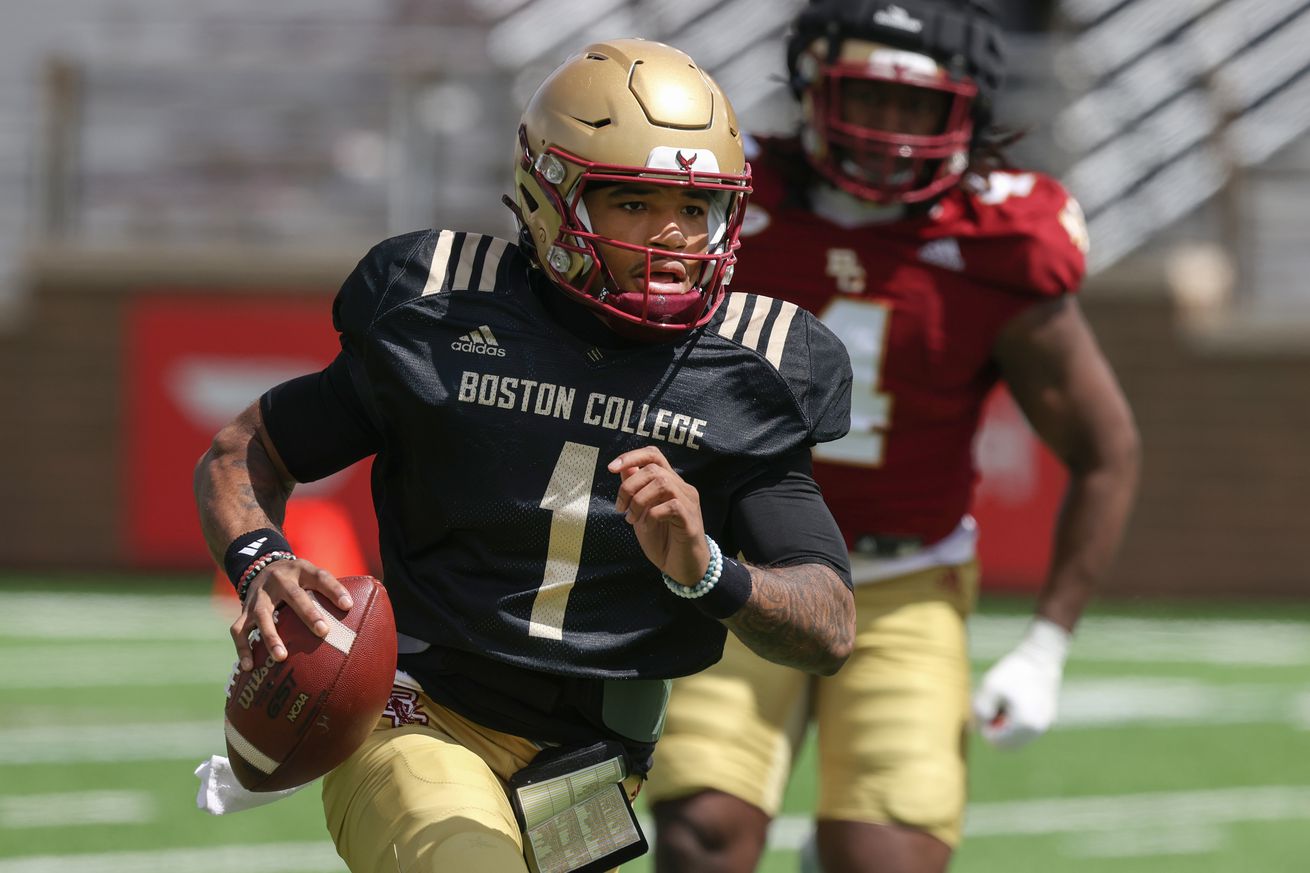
x: 887, y: 163
x: 642, y: 314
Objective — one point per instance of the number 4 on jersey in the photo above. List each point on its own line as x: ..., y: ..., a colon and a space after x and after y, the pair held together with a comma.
x: 862, y: 326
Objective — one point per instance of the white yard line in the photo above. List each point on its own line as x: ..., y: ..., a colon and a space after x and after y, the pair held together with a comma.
x: 1097, y: 821
x: 1158, y: 702
x: 1085, y: 704
x: 111, y: 617
x: 1132, y: 825
x: 1160, y: 809
x: 1160, y: 641
x: 34, y: 615
x: 64, y: 666
x: 316, y: 857
x: 104, y: 743
x: 1128, y: 843
x: 71, y: 809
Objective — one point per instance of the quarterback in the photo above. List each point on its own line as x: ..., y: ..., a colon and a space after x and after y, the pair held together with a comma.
x: 575, y: 435
x: 894, y: 219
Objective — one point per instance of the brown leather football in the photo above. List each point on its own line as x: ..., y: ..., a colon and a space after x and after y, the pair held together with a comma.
x: 289, y: 722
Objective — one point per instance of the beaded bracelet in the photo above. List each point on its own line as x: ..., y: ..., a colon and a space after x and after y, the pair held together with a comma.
x: 256, y: 567
x: 707, y: 582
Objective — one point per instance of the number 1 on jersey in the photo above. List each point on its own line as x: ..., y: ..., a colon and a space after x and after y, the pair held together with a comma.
x: 568, y: 497
x: 862, y: 327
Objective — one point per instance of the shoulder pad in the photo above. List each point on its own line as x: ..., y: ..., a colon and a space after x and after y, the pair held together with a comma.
x: 417, y: 264
x: 809, y: 357
x: 383, y: 278
x: 1033, y: 234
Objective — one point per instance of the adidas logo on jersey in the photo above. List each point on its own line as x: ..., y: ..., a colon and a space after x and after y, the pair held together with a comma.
x: 480, y: 342
x: 943, y: 253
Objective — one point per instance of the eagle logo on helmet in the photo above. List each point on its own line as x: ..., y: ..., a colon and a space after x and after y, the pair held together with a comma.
x: 685, y: 162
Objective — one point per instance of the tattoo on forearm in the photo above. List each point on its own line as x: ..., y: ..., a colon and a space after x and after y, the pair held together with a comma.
x: 249, y: 501
x: 797, y: 616
x: 238, y: 487
x: 266, y: 491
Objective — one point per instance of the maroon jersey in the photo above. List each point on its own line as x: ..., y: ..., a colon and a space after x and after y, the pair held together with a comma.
x: 919, y: 303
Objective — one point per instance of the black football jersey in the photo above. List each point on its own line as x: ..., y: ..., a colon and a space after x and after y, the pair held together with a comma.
x: 493, y: 426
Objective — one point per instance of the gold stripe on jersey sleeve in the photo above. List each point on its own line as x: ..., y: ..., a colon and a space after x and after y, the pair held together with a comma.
x: 468, y: 253
x: 440, y: 262
x: 732, y: 314
x: 759, y: 318
x: 769, y: 318
x: 491, y: 264
x: 778, y: 335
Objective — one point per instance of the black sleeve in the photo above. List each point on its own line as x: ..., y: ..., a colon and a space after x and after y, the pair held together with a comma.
x: 817, y: 368
x: 320, y: 423
x: 779, y: 519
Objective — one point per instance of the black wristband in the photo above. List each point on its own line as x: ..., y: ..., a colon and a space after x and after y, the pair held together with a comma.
x: 729, y: 594
x: 245, y: 549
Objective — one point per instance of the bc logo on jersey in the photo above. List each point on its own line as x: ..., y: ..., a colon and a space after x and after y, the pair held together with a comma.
x: 844, y: 266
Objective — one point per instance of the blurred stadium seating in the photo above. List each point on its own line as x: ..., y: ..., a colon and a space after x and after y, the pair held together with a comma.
x: 246, y: 156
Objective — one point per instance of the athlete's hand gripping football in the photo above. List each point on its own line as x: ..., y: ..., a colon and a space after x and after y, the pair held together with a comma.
x: 289, y: 582
x: 664, y: 511
x: 1017, y: 700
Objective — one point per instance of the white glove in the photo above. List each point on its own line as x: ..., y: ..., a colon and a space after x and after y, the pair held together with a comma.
x: 1016, y: 702
x: 220, y: 792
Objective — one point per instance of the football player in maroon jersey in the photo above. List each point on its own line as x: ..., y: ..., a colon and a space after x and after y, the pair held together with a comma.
x: 893, y: 217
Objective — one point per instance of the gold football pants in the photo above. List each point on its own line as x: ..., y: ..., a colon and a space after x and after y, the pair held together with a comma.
x: 426, y: 794
x: 892, y: 723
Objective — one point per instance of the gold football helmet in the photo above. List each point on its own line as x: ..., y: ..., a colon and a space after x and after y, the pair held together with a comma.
x: 619, y: 111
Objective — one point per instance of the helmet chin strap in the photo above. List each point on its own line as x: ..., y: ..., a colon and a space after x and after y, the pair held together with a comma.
x: 717, y: 216
x: 584, y: 219
x: 608, y: 285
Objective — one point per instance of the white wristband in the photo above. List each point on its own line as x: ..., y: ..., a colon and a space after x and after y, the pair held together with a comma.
x: 707, y: 582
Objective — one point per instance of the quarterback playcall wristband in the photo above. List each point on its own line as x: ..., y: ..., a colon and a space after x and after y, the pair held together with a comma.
x: 249, y: 547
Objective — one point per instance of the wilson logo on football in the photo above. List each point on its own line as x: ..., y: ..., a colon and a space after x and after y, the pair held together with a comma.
x: 480, y: 342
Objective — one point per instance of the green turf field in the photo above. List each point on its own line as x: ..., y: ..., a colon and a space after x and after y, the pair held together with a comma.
x: 1184, y: 744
